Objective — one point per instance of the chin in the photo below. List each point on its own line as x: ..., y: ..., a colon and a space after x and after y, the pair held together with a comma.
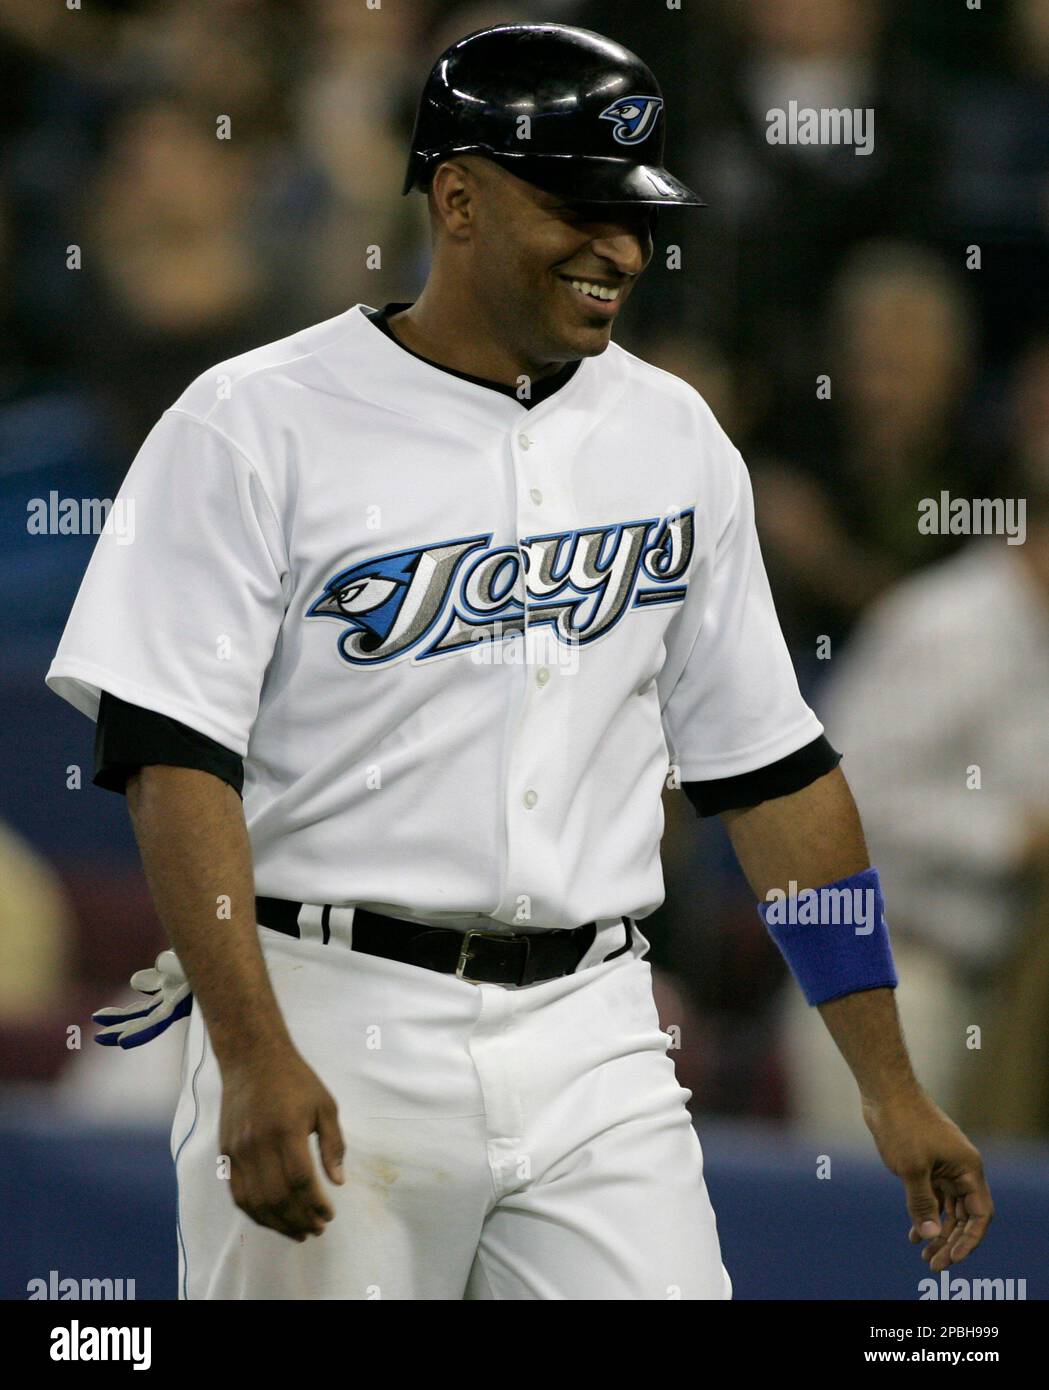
x: 579, y: 341
x: 593, y: 344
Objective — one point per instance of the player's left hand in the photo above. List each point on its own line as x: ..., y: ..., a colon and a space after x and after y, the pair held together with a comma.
x: 942, y: 1174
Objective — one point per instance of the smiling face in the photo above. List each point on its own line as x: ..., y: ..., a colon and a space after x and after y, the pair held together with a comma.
x: 547, y: 276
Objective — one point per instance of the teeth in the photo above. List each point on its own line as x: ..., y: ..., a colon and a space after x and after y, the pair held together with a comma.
x: 594, y: 291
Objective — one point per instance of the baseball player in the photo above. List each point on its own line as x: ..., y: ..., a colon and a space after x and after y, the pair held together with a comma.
x: 425, y: 605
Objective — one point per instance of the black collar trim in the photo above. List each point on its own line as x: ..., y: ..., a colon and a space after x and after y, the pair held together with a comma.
x: 540, y: 389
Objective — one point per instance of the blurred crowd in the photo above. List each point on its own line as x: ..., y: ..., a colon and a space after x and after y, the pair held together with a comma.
x: 182, y: 180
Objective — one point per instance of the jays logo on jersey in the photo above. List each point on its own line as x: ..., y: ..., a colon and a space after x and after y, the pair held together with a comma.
x: 441, y: 598
x: 634, y: 118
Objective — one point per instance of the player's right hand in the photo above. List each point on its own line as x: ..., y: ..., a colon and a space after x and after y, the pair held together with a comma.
x: 271, y: 1104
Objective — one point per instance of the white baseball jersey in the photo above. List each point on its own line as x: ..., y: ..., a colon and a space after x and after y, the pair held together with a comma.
x: 457, y: 641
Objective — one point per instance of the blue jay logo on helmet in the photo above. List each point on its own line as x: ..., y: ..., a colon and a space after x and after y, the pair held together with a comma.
x: 635, y: 118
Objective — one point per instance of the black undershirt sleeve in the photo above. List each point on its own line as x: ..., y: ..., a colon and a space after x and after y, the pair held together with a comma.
x: 789, y: 774
x: 128, y: 737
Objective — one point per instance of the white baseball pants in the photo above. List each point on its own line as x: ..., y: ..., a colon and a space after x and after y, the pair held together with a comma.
x: 501, y: 1143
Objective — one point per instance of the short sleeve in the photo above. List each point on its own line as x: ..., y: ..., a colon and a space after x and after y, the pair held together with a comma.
x: 729, y: 695
x: 128, y: 737
x: 182, y: 602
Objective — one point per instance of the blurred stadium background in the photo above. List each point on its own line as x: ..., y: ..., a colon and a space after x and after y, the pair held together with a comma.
x: 926, y: 655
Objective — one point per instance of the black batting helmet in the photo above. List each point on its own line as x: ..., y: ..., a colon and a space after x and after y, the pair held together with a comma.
x: 565, y: 109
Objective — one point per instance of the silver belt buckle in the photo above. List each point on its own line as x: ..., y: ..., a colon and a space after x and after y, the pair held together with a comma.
x: 464, y: 949
x: 464, y: 953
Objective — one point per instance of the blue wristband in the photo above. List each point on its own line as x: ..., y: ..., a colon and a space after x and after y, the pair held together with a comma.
x: 833, y: 938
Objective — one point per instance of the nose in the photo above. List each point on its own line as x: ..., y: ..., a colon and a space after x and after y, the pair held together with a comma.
x: 629, y: 249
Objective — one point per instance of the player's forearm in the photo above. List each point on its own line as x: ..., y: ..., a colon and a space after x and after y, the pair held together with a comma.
x: 805, y: 841
x: 196, y: 855
x: 866, y: 1029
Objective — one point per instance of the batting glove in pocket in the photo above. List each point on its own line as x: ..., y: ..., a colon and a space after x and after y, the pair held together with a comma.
x: 135, y: 1024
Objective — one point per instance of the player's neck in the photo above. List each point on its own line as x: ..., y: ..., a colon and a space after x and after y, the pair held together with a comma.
x: 458, y: 336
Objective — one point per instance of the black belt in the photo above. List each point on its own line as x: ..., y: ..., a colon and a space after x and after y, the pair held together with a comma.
x: 497, y: 958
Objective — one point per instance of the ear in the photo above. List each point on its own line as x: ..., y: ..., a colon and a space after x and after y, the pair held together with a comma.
x: 452, y: 198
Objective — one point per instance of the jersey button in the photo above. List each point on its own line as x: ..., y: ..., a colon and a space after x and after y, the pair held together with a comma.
x: 524, y: 441
x: 542, y: 675
x: 536, y: 496
x: 530, y: 798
